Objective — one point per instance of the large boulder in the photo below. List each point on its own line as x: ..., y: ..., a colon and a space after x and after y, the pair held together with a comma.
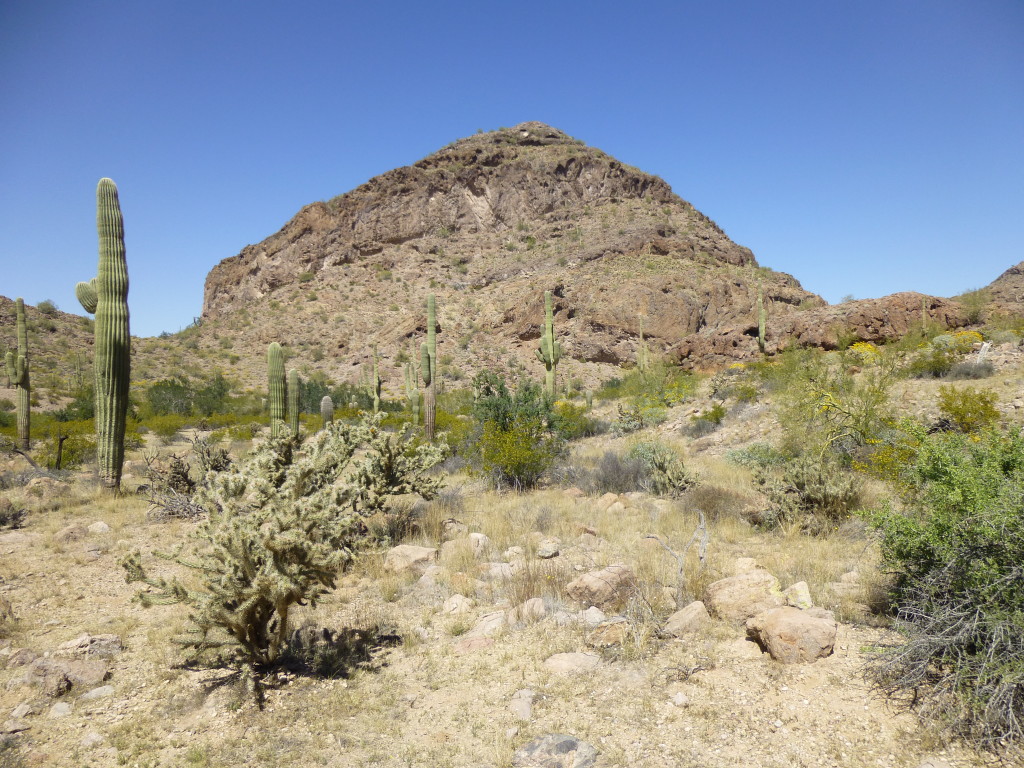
x: 692, y: 618
x: 738, y: 598
x: 556, y: 750
x: 604, y: 588
x: 793, y: 636
x: 408, y: 557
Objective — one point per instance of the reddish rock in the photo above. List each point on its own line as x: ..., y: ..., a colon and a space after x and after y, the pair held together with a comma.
x: 793, y: 636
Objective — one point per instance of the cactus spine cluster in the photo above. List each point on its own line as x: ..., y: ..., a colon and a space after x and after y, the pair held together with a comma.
x: 760, y: 319
x: 550, y: 351
x: 428, y: 369
x: 107, y: 296
x: 294, y: 390
x: 17, y: 373
x: 276, y: 387
x: 327, y: 410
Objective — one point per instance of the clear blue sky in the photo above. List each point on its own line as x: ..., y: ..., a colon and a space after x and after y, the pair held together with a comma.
x: 866, y: 147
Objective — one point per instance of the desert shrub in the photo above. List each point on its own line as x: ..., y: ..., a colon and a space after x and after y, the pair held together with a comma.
x: 967, y: 409
x: 519, y: 455
x: 705, y: 423
x: 932, y: 362
x: 629, y: 419
x: 760, y: 455
x: 79, y: 445
x: 668, y: 475
x: 955, y: 551
x: 280, y: 527
x: 167, y: 426
x: 571, y: 421
x: 971, y: 369
x: 615, y: 473
x: 11, y: 516
x: 664, y: 384
x: 47, y: 307
x: 814, y: 492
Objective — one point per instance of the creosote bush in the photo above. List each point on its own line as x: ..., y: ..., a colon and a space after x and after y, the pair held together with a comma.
x: 280, y: 526
x: 967, y: 409
x: 955, y: 550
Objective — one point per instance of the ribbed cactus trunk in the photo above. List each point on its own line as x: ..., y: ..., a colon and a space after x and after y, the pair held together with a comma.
x: 428, y: 363
x: 550, y: 351
x: 113, y: 341
x: 275, y: 388
x: 17, y: 373
x: 294, y: 391
x: 412, y: 391
x: 327, y: 410
x: 760, y: 319
x: 375, y: 382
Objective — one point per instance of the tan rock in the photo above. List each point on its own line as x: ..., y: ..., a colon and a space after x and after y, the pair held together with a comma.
x: 737, y: 598
x: 799, y: 596
x: 692, y: 618
x: 793, y: 636
x: 528, y: 612
x: 609, y: 633
x: 604, y: 588
x: 572, y: 663
x: 408, y: 557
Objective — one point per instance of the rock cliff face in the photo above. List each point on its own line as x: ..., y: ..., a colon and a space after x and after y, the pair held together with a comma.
x: 487, y: 224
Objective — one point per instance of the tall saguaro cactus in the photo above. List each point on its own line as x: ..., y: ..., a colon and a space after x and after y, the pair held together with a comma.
x: 107, y: 296
x: 428, y: 365
x: 375, y: 382
x: 17, y: 373
x: 550, y: 351
x: 294, y: 390
x: 327, y: 410
x: 276, y: 387
x: 412, y: 390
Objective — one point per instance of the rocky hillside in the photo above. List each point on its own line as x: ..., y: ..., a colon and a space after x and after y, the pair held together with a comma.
x: 487, y: 224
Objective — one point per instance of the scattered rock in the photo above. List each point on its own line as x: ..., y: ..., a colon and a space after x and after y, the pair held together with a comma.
x: 522, y: 704
x: 514, y: 553
x: 408, y: 557
x: 103, y: 646
x: 14, y: 725
x: 73, y: 532
x: 97, y: 693
x: 47, y: 486
x: 680, y: 699
x: 744, y: 565
x: 589, y: 541
x: 738, y: 598
x: 610, y: 633
x: 56, y: 676
x: 496, y: 571
x: 452, y: 529
x: 92, y: 739
x: 604, y: 588
x: 22, y: 710
x: 574, y: 493
x: 99, y: 527
x: 480, y: 544
x: 593, y: 616
x: 466, y: 644
x: 489, y: 624
x: 530, y: 611
x: 6, y: 611
x: 21, y: 657
x: 606, y: 501
x: 693, y: 618
x: 60, y: 709
x: 571, y: 663
x: 548, y: 548
x: 555, y: 750
x: 799, y: 596
x: 792, y: 636
x: 616, y: 509
x: 457, y: 604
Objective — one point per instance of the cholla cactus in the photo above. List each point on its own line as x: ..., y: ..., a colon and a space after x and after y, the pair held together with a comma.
x: 550, y: 351
x: 17, y: 372
x: 281, y: 526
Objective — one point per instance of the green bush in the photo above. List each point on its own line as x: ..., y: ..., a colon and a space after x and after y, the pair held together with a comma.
x: 518, y: 456
x: 79, y: 445
x: 571, y: 421
x: 167, y: 426
x: 955, y: 550
x: 933, y: 362
x: 967, y: 409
